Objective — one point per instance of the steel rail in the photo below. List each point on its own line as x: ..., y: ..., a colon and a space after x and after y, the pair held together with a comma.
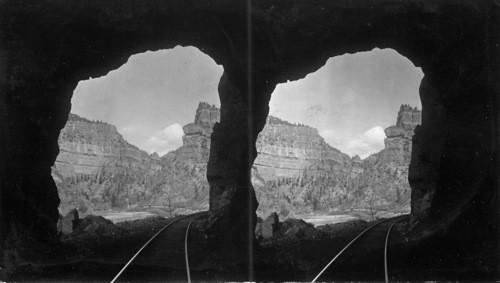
x: 186, y: 247
x: 385, y: 249
x: 347, y: 246
x: 147, y: 243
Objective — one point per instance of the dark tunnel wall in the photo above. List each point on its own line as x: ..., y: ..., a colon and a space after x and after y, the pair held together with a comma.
x: 47, y: 47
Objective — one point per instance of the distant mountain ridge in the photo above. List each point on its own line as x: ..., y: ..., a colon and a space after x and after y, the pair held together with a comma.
x: 86, y: 146
x: 377, y: 184
x: 286, y: 150
x: 295, y: 172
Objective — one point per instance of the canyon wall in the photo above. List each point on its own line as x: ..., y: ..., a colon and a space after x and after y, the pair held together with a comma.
x: 296, y: 172
x: 384, y: 180
x: 399, y: 137
x: 286, y: 150
x: 86, y: 146
x: 97, y: 169
x: 377, y: 184
x: 195, y: 148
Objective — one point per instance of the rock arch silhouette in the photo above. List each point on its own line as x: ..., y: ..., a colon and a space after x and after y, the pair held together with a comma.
x: 47, y: 47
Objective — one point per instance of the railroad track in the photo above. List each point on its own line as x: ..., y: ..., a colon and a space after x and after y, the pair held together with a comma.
x: 365, y: 257
x: 168, y: 247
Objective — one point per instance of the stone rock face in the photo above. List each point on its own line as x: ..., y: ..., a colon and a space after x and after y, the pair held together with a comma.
x: 96, y: 168
x: 270, y: 225
x: 295, y: 172
x: 356, y: 166
x: 408, y: 118
x: 98, y: 225
x: 398, y: 143
x: 154, y: 163
x: 69, y: 222
x: 87, y: 146
x: 232, y: 153
x: 206, y: 115
x: 453, y: 167
x: 298, y: 228
x: 196, y: 140
x: 286, y: 151
x: 385, y: 173
x: 377, y: 183
x: 399, y: 137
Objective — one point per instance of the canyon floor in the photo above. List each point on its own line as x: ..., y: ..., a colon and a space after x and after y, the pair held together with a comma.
x: 98, y: 253
x: 315, y: 219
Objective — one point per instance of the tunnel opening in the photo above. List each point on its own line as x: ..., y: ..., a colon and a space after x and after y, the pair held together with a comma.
x: 455, y: 151
x: 337, y: 144
x: 135, y: 145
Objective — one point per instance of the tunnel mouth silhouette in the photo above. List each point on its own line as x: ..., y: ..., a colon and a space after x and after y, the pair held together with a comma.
x: 137, y: 146
x: 83, y: 187
x: 454, y: 164
x: 320, y: 162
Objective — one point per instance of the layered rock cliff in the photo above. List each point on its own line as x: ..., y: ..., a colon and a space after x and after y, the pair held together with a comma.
x: 94, y: 162
x: 384, y: 181
x: 287, y: 151
x: 98, y: 170
x: 376, y: 184
x: 85, y: 147
x: 296, y: 171
x: 195, y: 147
x: 399, y: 137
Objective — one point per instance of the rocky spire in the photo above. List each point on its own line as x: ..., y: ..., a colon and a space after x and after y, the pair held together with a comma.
x: 408, y: 117
x: 206, y: 114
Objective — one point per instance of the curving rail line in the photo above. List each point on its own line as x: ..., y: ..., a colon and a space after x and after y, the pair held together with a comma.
x: 385, y: 248
x: 398, y: 219
x: 186, y: 246
x: 193, y: 216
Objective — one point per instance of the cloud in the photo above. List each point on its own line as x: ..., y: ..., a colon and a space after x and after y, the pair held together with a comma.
x: 315, y: 110
x: 165, y: 140
x: 366, y: 143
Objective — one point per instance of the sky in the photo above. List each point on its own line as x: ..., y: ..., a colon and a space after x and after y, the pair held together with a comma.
x: 350, y: 100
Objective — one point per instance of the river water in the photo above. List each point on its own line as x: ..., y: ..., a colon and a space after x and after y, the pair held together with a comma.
x: 316, y: 220
x: 319, y: 220
x: 116, y: 217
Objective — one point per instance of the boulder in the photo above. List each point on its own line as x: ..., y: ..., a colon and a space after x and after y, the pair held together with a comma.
x: 270, y: 225
x: 98, y: 225
x: 341, y: 227
x: 69, y: 222
x: 298, y: 228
